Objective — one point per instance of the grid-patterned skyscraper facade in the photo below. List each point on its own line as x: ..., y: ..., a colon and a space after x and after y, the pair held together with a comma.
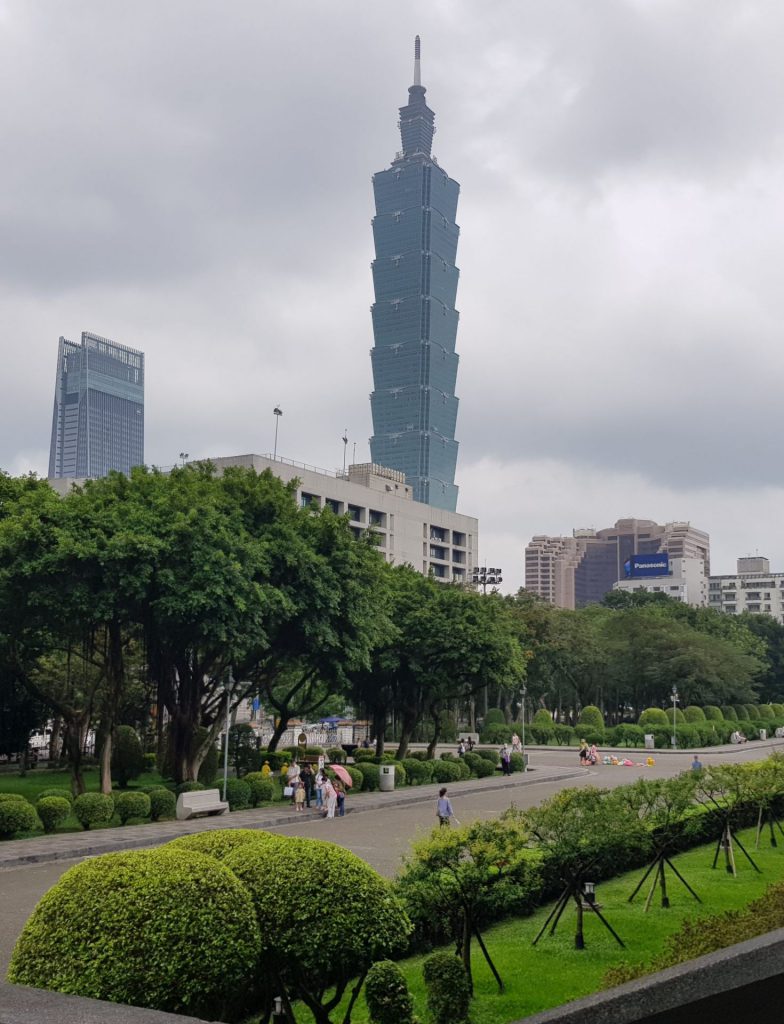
x: 413, y: 403
x: 98, y: 422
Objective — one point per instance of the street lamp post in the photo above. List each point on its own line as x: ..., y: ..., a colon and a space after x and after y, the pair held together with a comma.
x: 522, y: 724
x: 674, y: 726
x: 229, y: 688
x: 484, y: 577
x: 184, y: 457
x: 277, y: 412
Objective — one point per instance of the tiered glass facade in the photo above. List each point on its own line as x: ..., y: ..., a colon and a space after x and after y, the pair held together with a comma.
x: 413, y: 404
x: 98, y: 422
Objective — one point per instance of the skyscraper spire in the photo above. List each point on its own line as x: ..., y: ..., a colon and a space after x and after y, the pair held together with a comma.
x: 417, y: 75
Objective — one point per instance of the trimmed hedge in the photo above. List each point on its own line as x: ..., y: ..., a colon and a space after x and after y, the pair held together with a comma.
x: 364, y: 754
x: 238, y: 794
x: 17, y: 816
x: 590, y: 718
x: 516, y: 762
x: 189, y: 787
x: 694, y: 714
x: 418, y: 772
x: 448, y: 990
x: 127, y: 755
x: 140, y: 928
x: 53, y: 811
x: 712, y: 713
x: 370, y: 775
x: 13, y: 798
x: 729, y: 712
x: 93, y: 809
x: 542, y: 717
x: 64, y: 793
x: 448, y: 771
x: 131, y: 805
x: 494, y: 716
x: 262, y: 788
x: 484, y: 768
x: 496, y: 732
x: 652, y: 717
x: 163, y: 804
x: 489, y: 753
x: 336, y: 754
x: 356, y: 777
x: 223, y: 842
x: 387, y: 996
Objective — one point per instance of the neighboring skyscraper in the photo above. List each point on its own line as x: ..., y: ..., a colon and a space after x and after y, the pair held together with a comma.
x: 98, y: 422
x: 572, y: 572
x: 414, y: 317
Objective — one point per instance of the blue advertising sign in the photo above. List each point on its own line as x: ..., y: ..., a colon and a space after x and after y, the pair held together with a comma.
x: 648, y: 565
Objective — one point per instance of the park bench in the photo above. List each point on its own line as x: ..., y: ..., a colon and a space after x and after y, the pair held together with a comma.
x: 200, y: 801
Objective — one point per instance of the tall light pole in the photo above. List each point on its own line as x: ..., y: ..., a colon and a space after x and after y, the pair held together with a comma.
x: 484, y: 577
x: 345, y: 447
x: 674, y: 726
x: 522, y: 724
x: 229, y: 688
x: 184, y: 457
x: 277, y: 412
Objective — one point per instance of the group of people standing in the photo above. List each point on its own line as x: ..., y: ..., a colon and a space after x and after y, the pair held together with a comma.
x: 304, y: 785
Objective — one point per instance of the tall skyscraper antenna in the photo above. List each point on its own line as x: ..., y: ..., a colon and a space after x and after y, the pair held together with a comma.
x: 417, y: 75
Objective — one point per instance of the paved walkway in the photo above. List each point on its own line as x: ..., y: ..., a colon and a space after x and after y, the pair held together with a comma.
x: 70, y: 845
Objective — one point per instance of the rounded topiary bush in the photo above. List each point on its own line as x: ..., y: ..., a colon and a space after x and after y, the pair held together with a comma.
x: 693, y: 714
x: 222, y: 842
x: 364, y: 754
x: 626, y: 735
x: 65, y: 794
x: 140, y: 928
x: 17, y: 816
x: 448, y: 991
x: 484, y: 768
x: 447, y: 771
x: 356, y: 777
x: 778, y: 710
x: 419, y: 772
x: 189, y: 787
x: 12, y: 798
x: 712, y: 713
x: 652, y: 717
x: 370, y: 775
x: 741, y: 712
x: 542, y: 717
x: 418, y: 755
x: 163, y: 804
x: 336, y: 754
x: 680, y: 718
x: 387, y: 996
x: 488, y: 753
x: 127, y: 755
x: 262, y: 788
x: 729, y: 712
x: 497, y: 732
x: 590, y: 718
x: 238, y: 794
x: 766, y: 712
x: 752, y: 710
x: 93, y: 809
x: 131, y: 805
x: 517, y: 762
x: 351, y: 920
x: 494, y: 716
x: 542, y: 734
x: 53, y: 811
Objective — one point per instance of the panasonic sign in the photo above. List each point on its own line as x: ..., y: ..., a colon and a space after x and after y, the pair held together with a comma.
x: 648, y: 565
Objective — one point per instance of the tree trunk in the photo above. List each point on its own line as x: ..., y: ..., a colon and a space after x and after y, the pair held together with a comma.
x: 465, y: 950
x: 106, y: 763
x: 579, y: 939
x: 431, y: 747
x: 406, y: 730
x: 54, y: 741
x: 280, y: 728
x: 379, y: 728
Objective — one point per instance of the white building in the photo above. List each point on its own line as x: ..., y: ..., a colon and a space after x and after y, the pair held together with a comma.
x: 686, y: 582
x: 753, y: 588
x: 430, y: 539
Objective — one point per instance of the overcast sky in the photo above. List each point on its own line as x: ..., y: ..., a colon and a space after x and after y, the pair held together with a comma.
x: 193, y: 179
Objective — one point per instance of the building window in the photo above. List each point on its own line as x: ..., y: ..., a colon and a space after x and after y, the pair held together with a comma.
x: 458, y: 539
x: 336, y: 506
x: 356, y: 513
x: 309, y: 500
x: 377, y: 518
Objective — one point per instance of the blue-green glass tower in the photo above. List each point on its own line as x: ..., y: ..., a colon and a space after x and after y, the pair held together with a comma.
x: 414, y: 317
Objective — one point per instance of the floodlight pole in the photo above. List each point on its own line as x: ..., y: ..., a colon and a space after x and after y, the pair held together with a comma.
x: 674, y: 726
x: 522, y: 724
x: 277, y: 412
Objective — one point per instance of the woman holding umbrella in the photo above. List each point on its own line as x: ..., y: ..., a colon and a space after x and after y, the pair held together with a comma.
x: 330, y: 797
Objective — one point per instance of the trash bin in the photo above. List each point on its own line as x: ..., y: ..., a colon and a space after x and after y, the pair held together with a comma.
x: 386, y: 781
x: 763, y: 734
x: 650, y: 743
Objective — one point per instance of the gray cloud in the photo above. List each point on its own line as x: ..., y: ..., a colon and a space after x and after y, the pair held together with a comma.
x: 193, y: 179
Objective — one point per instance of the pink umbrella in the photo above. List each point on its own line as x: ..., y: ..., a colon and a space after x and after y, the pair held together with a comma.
x: 342, y: 774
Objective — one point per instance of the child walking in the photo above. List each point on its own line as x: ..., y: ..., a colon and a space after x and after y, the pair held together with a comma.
x: 299, y: 796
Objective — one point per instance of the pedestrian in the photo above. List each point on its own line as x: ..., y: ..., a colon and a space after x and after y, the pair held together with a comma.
x: 696, y: 765
x: 306, y: 775
x: 461, y: 748
x: 320, y: 777
x: 516, y: 745
x: 506, y: 760
x: 593, y: 754
x: 330, y: 797
x: 266, y: 771
x: 583, y: 751
x: 341, y: 797
x: 292, y: 777
x: 299, y: 795
x: 444, y: 811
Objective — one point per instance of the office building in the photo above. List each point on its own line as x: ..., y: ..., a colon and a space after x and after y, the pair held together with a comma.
x: 753, y: 588
x: 98, y: 422
x: 571, y: 572
x: 380, y: 500
x: 413, y: 403
x: 682, y: 579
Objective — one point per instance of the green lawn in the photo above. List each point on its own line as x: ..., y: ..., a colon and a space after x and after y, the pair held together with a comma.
x: 554, y: 972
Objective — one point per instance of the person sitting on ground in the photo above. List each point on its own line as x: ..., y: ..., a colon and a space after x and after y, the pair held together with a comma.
x: 593, y: 754
x: 444, y: 810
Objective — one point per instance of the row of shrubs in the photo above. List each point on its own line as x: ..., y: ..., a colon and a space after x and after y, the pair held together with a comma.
x: 53, y: 807
x: 695, y: 726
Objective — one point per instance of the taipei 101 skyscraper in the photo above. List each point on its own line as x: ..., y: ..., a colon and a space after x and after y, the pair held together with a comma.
x: 414, y: 317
